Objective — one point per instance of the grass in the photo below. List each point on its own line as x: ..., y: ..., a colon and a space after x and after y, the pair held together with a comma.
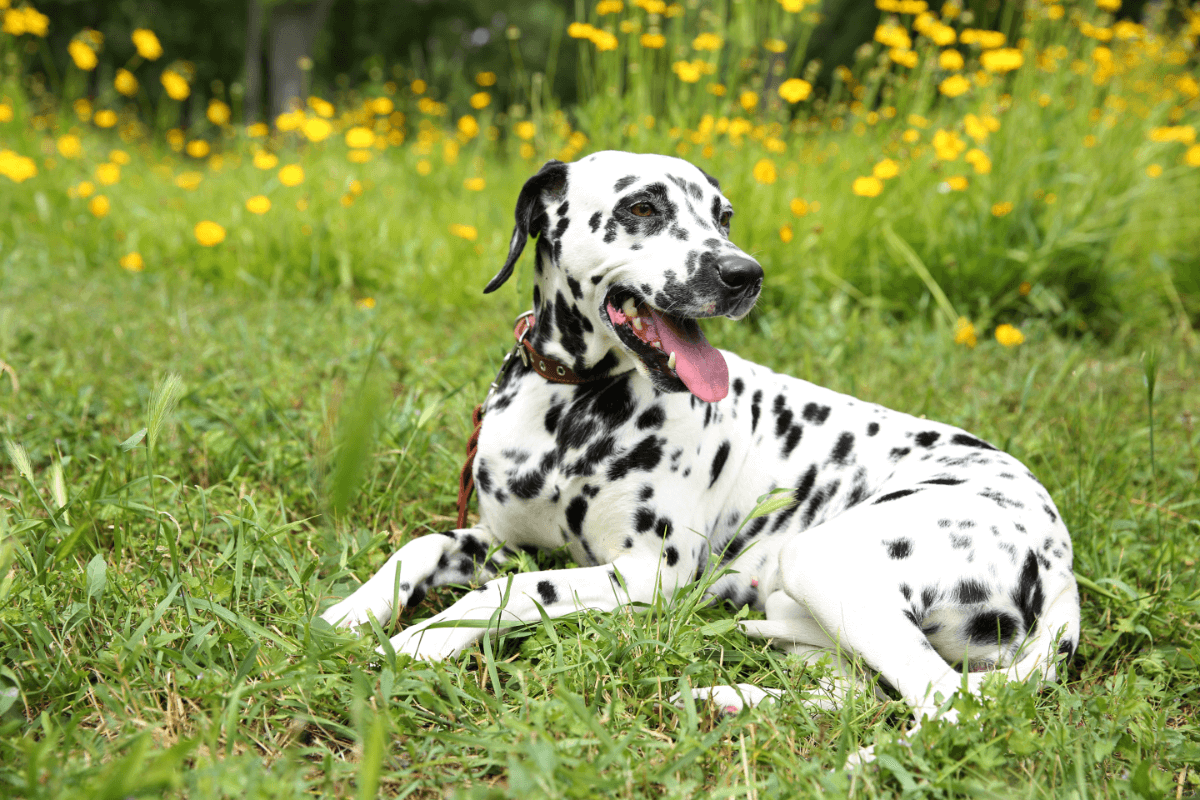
x: 207, y: 446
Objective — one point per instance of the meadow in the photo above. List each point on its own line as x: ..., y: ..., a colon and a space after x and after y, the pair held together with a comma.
x: 237, y: 365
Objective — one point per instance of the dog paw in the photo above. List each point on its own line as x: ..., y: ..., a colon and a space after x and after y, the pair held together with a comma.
x: 728, y: 699
x: 354, y: 612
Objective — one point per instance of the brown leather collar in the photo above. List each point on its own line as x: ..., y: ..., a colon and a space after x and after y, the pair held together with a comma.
x: 549, y: 368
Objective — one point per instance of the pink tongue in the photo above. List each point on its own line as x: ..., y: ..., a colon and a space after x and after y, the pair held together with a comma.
x: 698, y: 364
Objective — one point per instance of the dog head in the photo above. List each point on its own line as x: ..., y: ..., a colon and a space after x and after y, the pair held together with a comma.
x: 632, y: 250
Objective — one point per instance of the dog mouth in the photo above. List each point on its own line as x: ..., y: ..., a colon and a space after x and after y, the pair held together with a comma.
x: 673, y: 348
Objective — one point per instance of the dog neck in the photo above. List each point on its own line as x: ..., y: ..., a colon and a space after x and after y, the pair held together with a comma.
x: 568, y: 326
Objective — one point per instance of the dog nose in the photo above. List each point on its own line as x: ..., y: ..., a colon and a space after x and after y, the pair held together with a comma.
x: 738, y: 271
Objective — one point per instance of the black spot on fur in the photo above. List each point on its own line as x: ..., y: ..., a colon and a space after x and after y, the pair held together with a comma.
x: 944, y: 481
x: 646, y: 493
x: 816, y: 414
x: 970, y: 441
x: 594, y: 221
x: 547, y: 592
x: 624, y: 183
x: 755, y: 409
x: 906, y: 590
x: 841, y: 450
x: 971, y: 591
x: 1050, y: 512
x: 739, y: 386
x: 642, y: 457
x: 895, y: 495
x: 643, y: 520
x: 473, y: 548
x: 793, y: 439
x: 990, y: 627
x: 718, y: 462
x: 927, y: 438
x: 899, y: 453
x: 873, y: 429
x: 551, y: 419
x: 528, y: 485
x: 672, y: 556
x: 1028, y: 595
x: 576, y: 511
x: 960, y: 542
x: 576, y: 289
x: 483, y: 478
x: 899, y: 548
x: 652, y: 418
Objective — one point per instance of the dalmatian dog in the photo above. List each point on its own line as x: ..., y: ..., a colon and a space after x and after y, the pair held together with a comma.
x: 909, y: 549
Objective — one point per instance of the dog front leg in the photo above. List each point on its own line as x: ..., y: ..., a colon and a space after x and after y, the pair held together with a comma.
x: 517, y: 598
x: 456, y: 556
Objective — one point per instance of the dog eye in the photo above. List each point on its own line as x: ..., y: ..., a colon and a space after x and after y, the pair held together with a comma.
x: 643, y: 209
x: 726, y: 217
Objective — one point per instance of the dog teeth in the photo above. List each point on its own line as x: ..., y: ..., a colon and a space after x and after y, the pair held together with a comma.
x: 637, y: 322
x: 671, y: 361
x: 657, y: 344
x: 630, y: 308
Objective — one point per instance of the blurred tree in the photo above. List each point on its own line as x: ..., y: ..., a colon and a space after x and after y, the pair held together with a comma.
x: 292, y: 29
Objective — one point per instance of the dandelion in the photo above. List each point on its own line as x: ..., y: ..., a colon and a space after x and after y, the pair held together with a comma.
x: 83, y: 56
x: 365, y: 303
x: 264, y: 160
x: 1109, y: 5
x: 197, y: 148
x: 355, y: 188
x: 175, y: 84
x: 964, y: 332
x: 785, y: 234
x: 480, y: 100
x: 795, y: 90
x: 108, y: 174
x: 132, y: 262
x: 707, y: 42
x: 1009, y: 336
x: 17, y: 168
x: 975, y: 128
x: 424, y: 167
x: 687, y: 71
x: 886, y: 169
x: 1192, y: 156
x: 359, y: 156
x: 209, y: 233
x: 526, y: 130
x: 125, y: 83
x: 775, y: 45
x: 69, y: 146
x: 467, y: 232
x: 323, y: 108
x: 957, y: 183
x: 259, y: 204
x: 749, y: 100
x: 1025, y: 288
x: 291, y: 175
x: 979, y: 160
x: 1154, y: 170
x: 105, y: 118
x: 867, y: 186
x: 605, y: 7
x: 475, y: 184
x: 99, y: 206
x: 258, y: 130
x: 905, y: 58
x: 418, y: 86
x: 1003, y: 60
x: 147, y: 44
x: 383, y: 106
x: 653, y: 41
x: 6, y: 112
x: 468, y: 126
x: 764, y: 171
x: 360, y: 137
x: 954, y: 86
x: 189, y: 180
x: 316, y: 129
x: 84, y: 189
x: 947, y: 145
x: 799, y: 207
x: 1002, y: 209
x: 218, y: 113
x: 482, y: 78
x: 950, y: 60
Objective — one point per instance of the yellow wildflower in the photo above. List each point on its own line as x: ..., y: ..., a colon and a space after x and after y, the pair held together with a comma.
x: 6, y: 112
x: 468, y: 126
x: 259, y: 204
x: 480, y: 100
x: 365, y: 303
x: 483, y: 79
x: 979, y: 160
x: 1109, y: 5
x: 688, y: 72
x: 316, y: 129
x: 17, y: 168
x: 792, y: 6
x: 147, y: 44
x: 359, y: 156
x: 99, y: 206
x: 258, y: 130
x: 957, y: 183
x: 1009, y: 336
x: 911, y: 136
x: 417, y: 86
x: 360, y: 137
x: 132, y: 262
x: 749, y: 100
x: 905, y: 58
x: 950, y: 60
x: 775, y: 45
x: 964, y: 332
x: 975, y: 128
x: 1001, y: 209
x: 108, y: 174
x: 795, y: 89
x: 526, y: 130
x: 197, y: 148
x: 1003, y: 60
x: 1025, y: 288
x: 382, y: 106
x: 189, y: 180
x: 209, y: 233
x: 85, y: 189
x: 175, y: 84
x: 707, y: 41
x: 954, y: 86
x: 785, y: 233
x: 764, y: 171
x: 1154, y: 170
x: 323, y: 108
x: 83, y: 56
x: 291, y: 175
x: 218, y: 112
x: 1192, y: 156
x: 264, y: 160
x: 799, y: 207
x: 886, y: 169
x: 424, y: 167
x: 1173, y: 133
x: 947, y: 145
x: 475, y: 184
x: 653, y: 41
x: 125, y: 83
x: 105, y: 118
x: 69, y: 146
x: 867, y: 186
x: 118, y: 156
x: 467, y: 232
x: 893, y: 36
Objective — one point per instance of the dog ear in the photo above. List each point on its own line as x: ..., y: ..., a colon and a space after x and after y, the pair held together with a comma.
x: 530, y: 215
